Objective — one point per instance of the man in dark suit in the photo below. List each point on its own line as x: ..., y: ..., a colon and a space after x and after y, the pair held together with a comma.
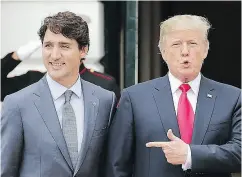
x: 14, y: 84
x: 182, y: 124
x: 57, y: 127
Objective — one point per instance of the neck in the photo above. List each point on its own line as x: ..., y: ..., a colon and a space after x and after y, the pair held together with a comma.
x: 68, y: 82
x: 186, y: 80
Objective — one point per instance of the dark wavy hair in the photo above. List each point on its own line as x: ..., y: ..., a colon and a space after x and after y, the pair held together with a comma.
x: 69, y: 25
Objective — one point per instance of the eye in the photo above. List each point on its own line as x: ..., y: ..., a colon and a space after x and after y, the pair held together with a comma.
x: 193, y: 43
x: 177, y: 44
x: 47, y: 45
x: 65, y: 46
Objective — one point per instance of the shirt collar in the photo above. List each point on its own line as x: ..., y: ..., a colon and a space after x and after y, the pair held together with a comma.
x: 175, y: 83
x: 57, y: 89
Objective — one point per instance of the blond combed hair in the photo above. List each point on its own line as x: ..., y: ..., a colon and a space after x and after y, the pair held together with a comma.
x: 184, y: 22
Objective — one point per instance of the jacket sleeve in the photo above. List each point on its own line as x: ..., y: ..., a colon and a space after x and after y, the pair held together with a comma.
x: 11, y: 138
x: 104, y: 152
x: 7, y: 65
x: 223, y: 158
x: 120, y: 154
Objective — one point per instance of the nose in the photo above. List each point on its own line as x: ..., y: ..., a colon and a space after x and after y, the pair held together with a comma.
x: 184, y: 50
x: 55, y: 53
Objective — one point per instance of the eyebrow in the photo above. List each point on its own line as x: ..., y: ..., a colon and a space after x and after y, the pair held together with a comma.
x: 190, y: 40
x: 62, y: 43
x: 65, y: 43
x: 177, y: 40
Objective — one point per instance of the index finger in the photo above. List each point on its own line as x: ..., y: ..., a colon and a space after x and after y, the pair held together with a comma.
x: 157, y: 144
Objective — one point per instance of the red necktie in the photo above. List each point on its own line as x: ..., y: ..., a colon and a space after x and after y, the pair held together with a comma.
x: 185, y: 115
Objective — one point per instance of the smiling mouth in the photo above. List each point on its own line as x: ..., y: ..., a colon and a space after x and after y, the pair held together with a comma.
x: 56, y: 65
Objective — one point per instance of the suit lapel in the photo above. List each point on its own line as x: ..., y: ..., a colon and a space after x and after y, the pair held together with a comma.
x: 205, y: 105
x: 91, y: 104
x: 45, y: 105
x: 164, y: 101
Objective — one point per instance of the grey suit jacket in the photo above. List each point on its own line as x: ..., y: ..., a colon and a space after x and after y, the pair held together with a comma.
x: 32, y: 143
x: 146, y: 112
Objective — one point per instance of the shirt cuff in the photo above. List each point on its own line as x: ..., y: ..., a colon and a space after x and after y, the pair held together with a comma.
x: 188, y: 163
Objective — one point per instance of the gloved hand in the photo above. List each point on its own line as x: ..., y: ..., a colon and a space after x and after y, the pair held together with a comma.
x: 26, y: 50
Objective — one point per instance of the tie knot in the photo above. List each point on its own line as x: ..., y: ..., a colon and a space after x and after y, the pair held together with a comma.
x: 184, y: 87
x: 68, y: 95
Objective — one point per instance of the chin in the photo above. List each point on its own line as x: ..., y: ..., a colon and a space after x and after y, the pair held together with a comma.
x: 190, y: 77
x: 56, y: 75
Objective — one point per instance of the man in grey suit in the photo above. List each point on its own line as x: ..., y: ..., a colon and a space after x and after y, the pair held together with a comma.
x: 57, y: 127
x: 182, y: 124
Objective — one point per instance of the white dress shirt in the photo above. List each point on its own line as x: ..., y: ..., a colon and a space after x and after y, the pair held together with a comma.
x: 192, y: 95
x: 57, y: 91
